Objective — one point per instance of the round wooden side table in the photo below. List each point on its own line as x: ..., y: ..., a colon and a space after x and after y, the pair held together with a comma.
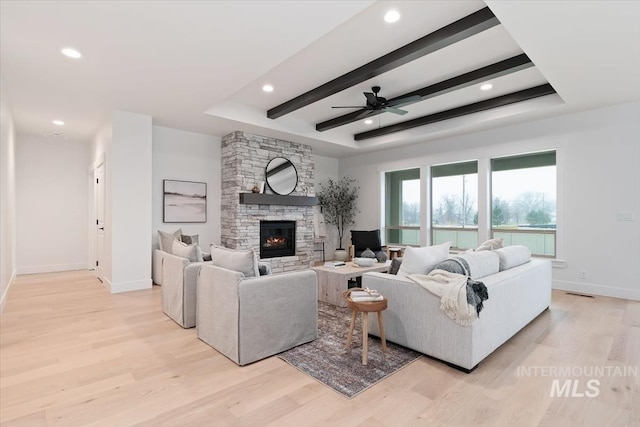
x: 365, y: 308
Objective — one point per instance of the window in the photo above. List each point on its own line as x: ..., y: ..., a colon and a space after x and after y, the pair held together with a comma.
x: 523, y: 195
x: 454, y: 204
x: 402, y: 207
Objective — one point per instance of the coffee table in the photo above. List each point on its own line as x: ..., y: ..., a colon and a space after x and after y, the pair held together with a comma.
x: 333, y: 281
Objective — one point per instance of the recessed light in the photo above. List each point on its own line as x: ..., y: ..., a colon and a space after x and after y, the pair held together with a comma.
x: 486, y: 86
x: 392, y: 16
x: 368, y: 122
x: 58, y: 122
x: 71, y: 53
x: 267, y: 88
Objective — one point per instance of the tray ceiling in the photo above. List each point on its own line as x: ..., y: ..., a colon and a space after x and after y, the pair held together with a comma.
x: 200, y: 66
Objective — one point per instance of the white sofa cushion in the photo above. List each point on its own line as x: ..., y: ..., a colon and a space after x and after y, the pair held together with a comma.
x: 243, y: 260
x: 513, y: 256
x: 490, y: 245
x: 192, y: 239
x: 481, y: 264
x: 186, y: 251
x: 422, y: 260
x: 165, y: 240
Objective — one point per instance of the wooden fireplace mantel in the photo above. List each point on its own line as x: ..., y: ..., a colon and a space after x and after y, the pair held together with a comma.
x: 276, y: 199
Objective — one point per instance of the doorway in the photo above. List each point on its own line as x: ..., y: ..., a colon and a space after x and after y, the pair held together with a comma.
x: 99, y: 192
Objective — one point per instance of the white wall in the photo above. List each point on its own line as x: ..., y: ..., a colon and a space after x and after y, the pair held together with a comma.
x: 187, y: 156
x: 51, y: 204
x: 124, y: 144
x: 598, y: 177
x: 131, y: 201
x: 7, y: 198
x: 326, y: 168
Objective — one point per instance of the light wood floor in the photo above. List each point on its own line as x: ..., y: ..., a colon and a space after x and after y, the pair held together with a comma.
x: 72, y: 354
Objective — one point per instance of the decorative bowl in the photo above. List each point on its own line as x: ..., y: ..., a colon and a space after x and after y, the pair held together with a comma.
x: 364, y: 262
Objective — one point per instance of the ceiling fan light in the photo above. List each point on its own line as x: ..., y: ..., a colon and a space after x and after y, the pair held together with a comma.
x: 392, y: 16
x: 486, y: 86
x: 71, y: 53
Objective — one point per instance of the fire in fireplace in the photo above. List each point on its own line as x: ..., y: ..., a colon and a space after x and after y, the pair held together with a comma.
x: 277, y: 239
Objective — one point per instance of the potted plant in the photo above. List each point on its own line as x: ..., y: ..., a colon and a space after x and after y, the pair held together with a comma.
x: 338, y: 202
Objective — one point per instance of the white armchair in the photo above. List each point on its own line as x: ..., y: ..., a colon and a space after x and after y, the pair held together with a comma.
x: 248, y: 319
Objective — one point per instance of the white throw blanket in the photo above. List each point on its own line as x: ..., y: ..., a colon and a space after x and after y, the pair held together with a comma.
x: 452, y: 290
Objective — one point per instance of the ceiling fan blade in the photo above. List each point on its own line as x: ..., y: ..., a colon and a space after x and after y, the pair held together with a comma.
x: 355, y: 106
x: 405, y: 100
x: 364, y: 114
x: 395, y: 110
x: 371, y: 98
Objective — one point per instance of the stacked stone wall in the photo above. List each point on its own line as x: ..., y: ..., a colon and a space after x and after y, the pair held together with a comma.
x: 244, y: 159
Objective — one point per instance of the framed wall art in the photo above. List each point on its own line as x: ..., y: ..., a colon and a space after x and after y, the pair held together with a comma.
x: 184, y: 201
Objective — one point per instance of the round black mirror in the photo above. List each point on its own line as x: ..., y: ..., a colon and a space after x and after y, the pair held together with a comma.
x: 281, y: 176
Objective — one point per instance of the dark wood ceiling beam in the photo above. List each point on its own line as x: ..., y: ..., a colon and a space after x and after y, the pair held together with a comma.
x: 500, y: 101
x: 461, y: 29
x: 498, y: 69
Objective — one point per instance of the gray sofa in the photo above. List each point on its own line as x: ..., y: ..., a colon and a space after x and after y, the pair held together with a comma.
x: 248, y: 319
x: 414, y: 319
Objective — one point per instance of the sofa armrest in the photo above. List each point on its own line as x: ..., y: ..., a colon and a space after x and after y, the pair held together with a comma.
x: 218, y: 307
x: 172, y: 295
x: 156, y: 266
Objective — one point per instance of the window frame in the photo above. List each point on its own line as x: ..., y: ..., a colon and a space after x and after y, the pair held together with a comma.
x: 384, y: 223
x: 542, y: 161
x: 452, y: 169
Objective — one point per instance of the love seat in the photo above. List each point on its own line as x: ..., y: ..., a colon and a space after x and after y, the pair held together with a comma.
x: 414, y: 319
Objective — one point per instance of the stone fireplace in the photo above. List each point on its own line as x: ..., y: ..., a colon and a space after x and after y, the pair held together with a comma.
x: 244, y: 158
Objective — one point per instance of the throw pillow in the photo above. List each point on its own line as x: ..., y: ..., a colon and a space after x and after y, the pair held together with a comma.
x: 490, y: 245
x: 186, y: 251
x: 513, y: 256
x: 395, y: 265
x: 190, y: 240
x: 475, y: 264
x: 243, y: 260
x: 422, y: 260
x: 165, y: 240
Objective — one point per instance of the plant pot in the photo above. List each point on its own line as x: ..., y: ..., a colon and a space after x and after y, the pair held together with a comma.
x: 340, y: 255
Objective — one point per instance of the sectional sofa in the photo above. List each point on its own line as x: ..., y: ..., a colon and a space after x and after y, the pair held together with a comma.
x: 414, y: 319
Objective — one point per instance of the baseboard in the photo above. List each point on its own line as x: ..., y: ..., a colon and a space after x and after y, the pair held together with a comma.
x: 3, y: 299
x: 52, y: 268
x: 134, y: 285
x: 591, y: 289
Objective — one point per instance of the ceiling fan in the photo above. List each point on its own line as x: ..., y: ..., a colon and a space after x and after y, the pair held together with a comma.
x: 378, y: 104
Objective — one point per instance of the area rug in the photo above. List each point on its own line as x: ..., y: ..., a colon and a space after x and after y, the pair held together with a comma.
x: 327, y: 360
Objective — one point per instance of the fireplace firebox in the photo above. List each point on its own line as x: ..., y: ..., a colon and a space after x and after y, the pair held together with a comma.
x: 277, y: 239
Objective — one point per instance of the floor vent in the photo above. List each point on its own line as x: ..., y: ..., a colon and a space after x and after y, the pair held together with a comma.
x: 579, y: 295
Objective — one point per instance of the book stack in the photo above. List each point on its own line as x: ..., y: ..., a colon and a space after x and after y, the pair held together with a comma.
x: 363, y: 296
x: 335, y: 264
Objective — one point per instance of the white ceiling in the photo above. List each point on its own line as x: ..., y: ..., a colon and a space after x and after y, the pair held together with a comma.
x: 200, y: 66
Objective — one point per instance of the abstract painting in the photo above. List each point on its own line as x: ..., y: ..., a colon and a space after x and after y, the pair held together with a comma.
x: 184, y: 201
